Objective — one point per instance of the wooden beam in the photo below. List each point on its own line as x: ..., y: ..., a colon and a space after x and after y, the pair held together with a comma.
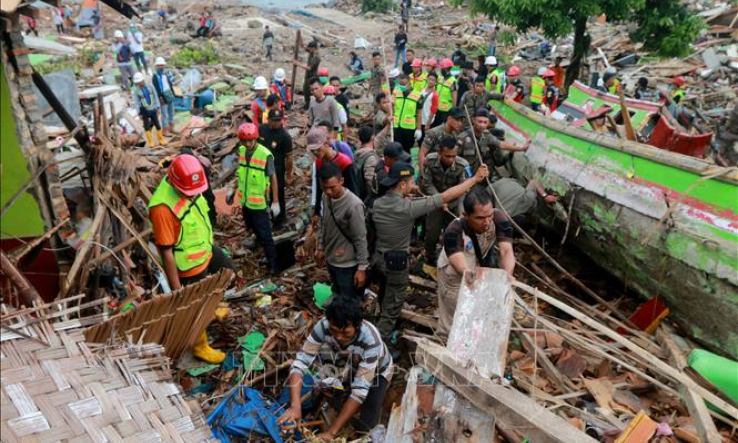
x: 655, y: 363
x: 695, y: 404
x: 421, y: 319
x: 509, y: 406
x: 25, y: 289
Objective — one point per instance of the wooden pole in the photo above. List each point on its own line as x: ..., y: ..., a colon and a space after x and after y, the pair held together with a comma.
x: 629, y: 131
x: 298, y: 43
x: 25, y: 289
x: 116, y: 130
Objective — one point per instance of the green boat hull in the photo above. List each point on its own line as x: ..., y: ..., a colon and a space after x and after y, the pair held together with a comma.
x: 664, y: 223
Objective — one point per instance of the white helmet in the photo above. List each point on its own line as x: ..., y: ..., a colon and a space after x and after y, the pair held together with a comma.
x: 138, y: 77
x: 611, y: 70
x: 542, y: 70
x: 160, y: 61
x: 394, y: 73
x: 279, y: 74
x: 490, y: 60
x: 260, y: 83
x: 118, y: 33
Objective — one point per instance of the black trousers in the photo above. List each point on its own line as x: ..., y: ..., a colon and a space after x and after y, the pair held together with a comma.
x: 371, y: 409
x: 279, y: 220
x: 258, y: 221
x: 150, y: 119
x: 405, y: 137
x: 219, y: 261
x: 343, y: 281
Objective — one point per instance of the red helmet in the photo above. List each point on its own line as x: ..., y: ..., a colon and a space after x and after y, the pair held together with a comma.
x: 187, y: 175
x: 513, y: 70
x: 446, y: 63
x: 248, y: 131
x: 329, y: 90
x: 549, y: 73
x: 678, y: 80
x: 417, y: 63
x: 430, y: 62
x: 323, y: 72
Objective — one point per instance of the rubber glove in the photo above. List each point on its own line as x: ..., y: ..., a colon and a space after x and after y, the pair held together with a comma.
x: 418, y: 134
x: 275, y: 210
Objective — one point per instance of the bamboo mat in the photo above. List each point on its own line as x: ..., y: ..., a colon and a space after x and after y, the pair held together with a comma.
x: 71, y: 391
x: 173, y: 320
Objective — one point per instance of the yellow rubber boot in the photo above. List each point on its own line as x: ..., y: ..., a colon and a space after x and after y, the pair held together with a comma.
x: 203, y: 351
x: 149, y: 139
x: 162, y: 140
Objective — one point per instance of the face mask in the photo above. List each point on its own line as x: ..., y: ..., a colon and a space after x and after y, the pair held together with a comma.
x: 402, y: 88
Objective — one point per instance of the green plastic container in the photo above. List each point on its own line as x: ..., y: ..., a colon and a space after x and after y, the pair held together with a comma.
x: 720, y: 371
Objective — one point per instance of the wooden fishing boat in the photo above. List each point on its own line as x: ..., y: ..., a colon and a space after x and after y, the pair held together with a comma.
x: 656, y: 126
x: 665, y: 223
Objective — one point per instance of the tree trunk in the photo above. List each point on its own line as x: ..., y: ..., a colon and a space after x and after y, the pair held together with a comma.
x: 581, y: 47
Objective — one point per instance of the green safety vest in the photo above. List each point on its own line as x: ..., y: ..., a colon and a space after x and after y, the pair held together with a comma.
x: 537, y: 90
x: 195, y: 243
x: 445, y: 93
x: 500, y: 74
x: 406, y: 108
x: 253, y: 183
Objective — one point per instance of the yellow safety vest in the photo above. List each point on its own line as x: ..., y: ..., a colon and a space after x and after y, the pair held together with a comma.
x: 446, y: 93
x: 253, y: 183
x: 264, y: 111
x: 195, y: 243
x: 406, y: 109
x: 499, y: 86
x: 418, y: 82
x: 678, y: 93
x: 537, y: 90
x: 614, y: 88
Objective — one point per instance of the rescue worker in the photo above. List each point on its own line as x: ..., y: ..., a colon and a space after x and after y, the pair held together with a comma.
x: 393, y: 153
x: 394, y: 216
x: 147, y: 102
x: 468, y: 243
x: 258, y: 104
x: 429, y: 98
x: 642, y: 91
x: 495, y: 81
x: 183, y: 234
x: 407, y: 114
x: 477, y: 98
x: 342, y: 237
x: 343, y: 330
x: 537, y: 89
x: 365, y: 162
x: 432, y: 138
x: 377, y: 80
x: 520, y: 201
x: 257, y: 179
x: 551, y: 94
x: 163, y: 80
x: 490, y: 148
x: 559, y: 70
x: 430, y: 65
x: 275, y: 137
x: 417, y: 76
x: 443, y: 170
x: 280, y: 87
x: 677, y: 92
x: 611, y: 83
x: 123, y: 58
x: 323, y: 75
x: 447, y: 91
x: 342, y: 130
x: 311, y: 70
x: 513, y: 85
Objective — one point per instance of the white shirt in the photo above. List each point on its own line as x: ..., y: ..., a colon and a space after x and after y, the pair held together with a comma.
x: 135, y: 45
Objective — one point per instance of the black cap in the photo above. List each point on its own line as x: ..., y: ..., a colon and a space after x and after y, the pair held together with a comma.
x: 312, y: 44
x: 395, y: 150
x: 456, y: 113
x: 276, y: 114
x: 398, y: 171
x: 481, y: 112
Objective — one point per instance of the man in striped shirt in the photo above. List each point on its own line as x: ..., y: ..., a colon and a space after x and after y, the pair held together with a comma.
x: 342, y: 330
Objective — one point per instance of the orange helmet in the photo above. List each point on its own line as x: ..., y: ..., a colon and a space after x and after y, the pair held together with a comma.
x: 513, y: 70
x: 678, y: 80
x: 549, y: 73
x: 187, y: 175
x: 248, y: 131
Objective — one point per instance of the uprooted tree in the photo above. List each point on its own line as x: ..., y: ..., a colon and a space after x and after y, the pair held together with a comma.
x: 667, y: 28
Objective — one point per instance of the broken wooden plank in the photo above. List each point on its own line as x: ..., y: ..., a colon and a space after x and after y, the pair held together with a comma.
x: 405, y: 416
x: 697, y: 409
x: 640, y: 429
x: 476, y: 336
x: 420, y: 319
x: 654, y: 362
x: 424, y: 284
x: 510, y: 407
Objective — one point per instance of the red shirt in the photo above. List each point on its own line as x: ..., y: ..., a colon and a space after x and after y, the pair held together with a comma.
x: 342, y: 160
